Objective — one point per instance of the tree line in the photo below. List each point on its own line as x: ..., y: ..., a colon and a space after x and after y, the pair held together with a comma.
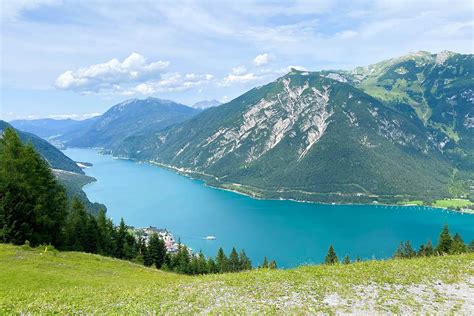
x: 34, y: 209
x: 447, y: 244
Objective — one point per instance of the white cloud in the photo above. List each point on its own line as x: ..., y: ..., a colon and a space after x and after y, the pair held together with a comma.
x: 110, y: 75
x: 171, y: 82
x: 239, y: 70
x: 242, y: 78
x: 261, y: 59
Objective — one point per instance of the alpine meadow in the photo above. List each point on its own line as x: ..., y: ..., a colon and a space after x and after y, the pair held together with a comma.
x: 242, y: 158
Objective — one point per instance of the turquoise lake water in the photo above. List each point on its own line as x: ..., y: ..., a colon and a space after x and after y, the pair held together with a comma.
x: 290, y: 232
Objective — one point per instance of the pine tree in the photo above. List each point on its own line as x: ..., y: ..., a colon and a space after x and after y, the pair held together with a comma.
x: 426, y: 250
x: 120, y: 240
x: 147, y: 259
x: 272, y: 265
x: 331, y: 257
x: 399, y: 253
x: 33, y: 205
x: 156, y: 247
x: 408, y: 251
x: 445, y: 241
x: 211, y: 266
x: 76, y: 227
x: 471, y: 246
x: 202, y: 264
x: 183, y: 261
x: 347, y: 260
x: 458, y: 246
x: 245, y: 263
x: 265, y: 263
x: 358, y: 259
x: 234, y: 264
x: 221, y: 261
x: 105, y: 231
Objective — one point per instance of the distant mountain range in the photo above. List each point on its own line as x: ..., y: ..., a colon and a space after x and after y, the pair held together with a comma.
x: 206, y: 104
x: 111, y: 128
x: 397, y: 130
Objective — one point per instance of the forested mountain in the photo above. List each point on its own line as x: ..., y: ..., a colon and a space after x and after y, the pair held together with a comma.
x: 55, y: 158
x: 438, y: 88
x: 127, y: 118
x: 304, y: 136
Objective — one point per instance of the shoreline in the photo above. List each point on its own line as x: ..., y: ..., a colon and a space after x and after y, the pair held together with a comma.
x: 189, y: 174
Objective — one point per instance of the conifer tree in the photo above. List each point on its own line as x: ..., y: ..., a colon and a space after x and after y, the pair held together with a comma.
x: 120, y: 240
x: 445, y: 241
x: 272, y: 265
x: 33, y: 205
x: 347, y: 260
x: 331, y: 257
x: 408, y: 251
x: 221, y: 261
x: 234, y: 264
x: 265, y: 263
x: 399, y: 253
x: 211, y: 266
x: 202, y: 264
x: 245, y: 263
x: 156, y: 247
x: 458, y: 246
x: 471, y: 246
x: 76, y: 226
x: 183, y: 260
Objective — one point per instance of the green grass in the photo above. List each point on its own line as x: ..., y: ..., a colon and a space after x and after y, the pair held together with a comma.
x: 452, y: 203
x: 32, y: 281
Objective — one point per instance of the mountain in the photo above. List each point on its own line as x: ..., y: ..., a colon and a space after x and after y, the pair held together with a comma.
x: 49, y: 128
x: 438, y: 88
x: 206, y: 104
x: 55, y: 158
x: 69, y: 174
x: 306, y: 136
x: 127, y: 118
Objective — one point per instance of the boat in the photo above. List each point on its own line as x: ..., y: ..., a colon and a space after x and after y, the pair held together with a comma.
x: 210, y: 237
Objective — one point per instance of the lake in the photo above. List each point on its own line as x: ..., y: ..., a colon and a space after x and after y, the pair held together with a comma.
x: 292, y: 233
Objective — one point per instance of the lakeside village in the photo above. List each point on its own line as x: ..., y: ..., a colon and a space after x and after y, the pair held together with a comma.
x: 171, y: 244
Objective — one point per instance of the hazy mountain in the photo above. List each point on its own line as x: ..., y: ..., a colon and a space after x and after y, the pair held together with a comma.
x: 47, y: 128
x: 307, y: 135
x: 206, y: 104
x: 127, y: 118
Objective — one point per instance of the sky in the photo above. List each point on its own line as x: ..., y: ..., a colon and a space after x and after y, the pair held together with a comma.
x: 75, y: 59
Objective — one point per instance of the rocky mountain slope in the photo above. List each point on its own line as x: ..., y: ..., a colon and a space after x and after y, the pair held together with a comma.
x: 305, y: 136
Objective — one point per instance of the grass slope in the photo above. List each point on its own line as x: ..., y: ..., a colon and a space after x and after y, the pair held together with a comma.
x: 34, y: 281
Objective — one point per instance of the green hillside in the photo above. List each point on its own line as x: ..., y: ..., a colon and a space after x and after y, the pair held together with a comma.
x: 55, y: 158
x: 38, y: 281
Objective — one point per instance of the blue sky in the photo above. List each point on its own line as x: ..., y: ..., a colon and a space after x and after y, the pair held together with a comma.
x: 77, y: 58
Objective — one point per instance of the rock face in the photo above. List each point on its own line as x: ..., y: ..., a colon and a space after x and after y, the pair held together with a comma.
x: 306, y: 136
